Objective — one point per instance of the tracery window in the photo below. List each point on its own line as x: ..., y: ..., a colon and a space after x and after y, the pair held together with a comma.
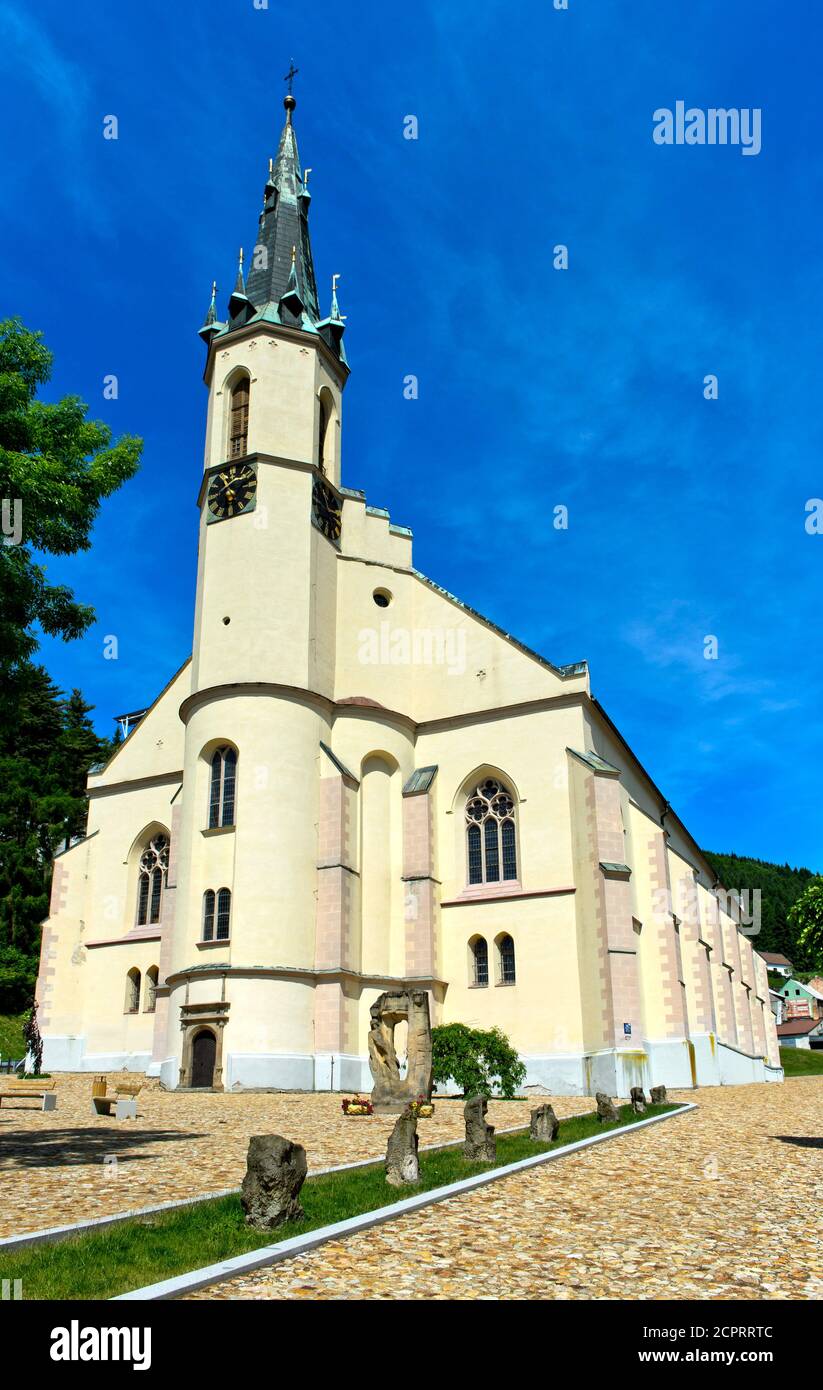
x: 222, y: 788
x: 491, y: 840
x: 239, y: 420
x: 154, y: 866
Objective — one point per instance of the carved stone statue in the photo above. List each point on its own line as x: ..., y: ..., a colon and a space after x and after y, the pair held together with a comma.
x: 402, y: 1164
x: 392, y: 1093
x: 607, y: 1113
x: 480, y: 1145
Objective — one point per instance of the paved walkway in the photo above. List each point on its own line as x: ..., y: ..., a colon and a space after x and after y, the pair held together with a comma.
x: 59, y: 1166
x: 721, y: 1203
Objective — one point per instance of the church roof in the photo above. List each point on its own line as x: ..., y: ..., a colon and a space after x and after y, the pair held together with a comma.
x: 280, y: 285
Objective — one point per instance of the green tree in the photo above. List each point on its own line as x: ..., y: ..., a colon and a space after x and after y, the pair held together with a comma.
x: 806, y: 918
x: 480, y: 1061
x: 56, y: 466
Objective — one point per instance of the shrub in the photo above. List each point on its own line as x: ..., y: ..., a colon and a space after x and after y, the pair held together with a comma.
x: 480, y: 1061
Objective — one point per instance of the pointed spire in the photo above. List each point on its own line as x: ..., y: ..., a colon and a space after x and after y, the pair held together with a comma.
x: 331, y: 329
x: 210, y: 323
x: 239, y: 299
x: 279, y: 286
x: 283, y: 225
x: 292, y: 299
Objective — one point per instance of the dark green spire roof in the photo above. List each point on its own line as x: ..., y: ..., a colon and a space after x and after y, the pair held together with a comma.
x: 280, y: 286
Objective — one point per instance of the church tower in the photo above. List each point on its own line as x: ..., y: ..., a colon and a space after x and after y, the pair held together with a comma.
x: 264, y: 638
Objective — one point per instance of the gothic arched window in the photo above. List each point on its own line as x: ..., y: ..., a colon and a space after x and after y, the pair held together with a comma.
x: 239, y: 419
x: 221, y: 793
x: 491, y: 842
x: 217, y: 915
x: 133, y: 991
x: 507, y: 973
x: 150, y: 992
x: 223, y: 915
x: 479, y: 957
x: 208, y: 915
x: 154, y: 865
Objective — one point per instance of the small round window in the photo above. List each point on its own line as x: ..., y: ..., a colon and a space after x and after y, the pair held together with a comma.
x: 382, y: 598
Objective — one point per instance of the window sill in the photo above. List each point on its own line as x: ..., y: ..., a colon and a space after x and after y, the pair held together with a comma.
x: 493, y: 893
x: 218, y: 830
x: 206, y: 945
x: 478, y: 986
x: 505, y: 984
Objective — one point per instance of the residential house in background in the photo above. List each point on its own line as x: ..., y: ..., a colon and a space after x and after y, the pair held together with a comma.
x: 802, y: 1001
x: 801, y: 1032
x: 777, y: 964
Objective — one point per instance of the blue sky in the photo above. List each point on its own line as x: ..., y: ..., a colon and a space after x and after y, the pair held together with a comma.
x: 537, y: 387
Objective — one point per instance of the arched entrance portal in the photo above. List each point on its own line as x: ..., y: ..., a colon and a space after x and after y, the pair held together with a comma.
x: 203, y: 1052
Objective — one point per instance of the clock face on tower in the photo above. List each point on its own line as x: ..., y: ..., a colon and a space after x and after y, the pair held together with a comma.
x: 232, y: 490
x: 326, y: 509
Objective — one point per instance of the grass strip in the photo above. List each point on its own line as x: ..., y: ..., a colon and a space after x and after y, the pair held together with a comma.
x: 801, y: 1061
x: 151, y: 1248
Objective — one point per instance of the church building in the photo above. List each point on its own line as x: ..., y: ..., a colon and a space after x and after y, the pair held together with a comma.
x: 358, y: 781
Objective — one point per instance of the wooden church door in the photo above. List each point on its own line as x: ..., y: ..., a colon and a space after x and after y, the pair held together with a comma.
x: 202, y: 1059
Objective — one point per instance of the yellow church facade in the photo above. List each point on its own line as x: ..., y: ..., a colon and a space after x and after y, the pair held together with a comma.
x: 357, y: 780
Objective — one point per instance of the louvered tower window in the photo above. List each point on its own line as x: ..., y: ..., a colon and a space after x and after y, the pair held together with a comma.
x: 239, y: 420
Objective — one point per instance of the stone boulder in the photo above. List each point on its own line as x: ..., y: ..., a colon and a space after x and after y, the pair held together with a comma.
x: 275, y: 1172
x: 659, y: 1095
x: 638, y: 1100
x: 607, y: 1113
x: 480, y: 1145
x: 544, y: 1124
x: 402, y: 1164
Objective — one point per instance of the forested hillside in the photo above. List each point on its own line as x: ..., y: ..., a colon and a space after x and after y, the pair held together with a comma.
x: 780, y: 886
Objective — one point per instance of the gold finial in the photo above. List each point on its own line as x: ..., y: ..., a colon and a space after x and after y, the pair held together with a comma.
x: 306, y: 173
x: 240, y: 258
x: 293, y: 254
x: 213, y: 288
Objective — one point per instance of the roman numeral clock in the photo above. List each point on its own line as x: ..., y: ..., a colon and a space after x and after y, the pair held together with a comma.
x: 232, y: 490
x: 326, y: 509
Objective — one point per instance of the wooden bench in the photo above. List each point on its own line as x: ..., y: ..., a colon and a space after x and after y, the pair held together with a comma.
x: 30, y: 1090
x: 124, y: 1100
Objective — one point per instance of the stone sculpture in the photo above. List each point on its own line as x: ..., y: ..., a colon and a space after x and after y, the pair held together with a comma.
x: 638, y: 1100
x: 480, y: 1145
x: 658, y: 1095
x: 402, y: 1164
x: 275, y: 1172
x: 544, y: 1124
x: 392, y: 1092
x: 607, y: 1114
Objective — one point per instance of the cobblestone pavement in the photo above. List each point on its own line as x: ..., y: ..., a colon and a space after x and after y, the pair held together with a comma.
x: 57, y: 1167
x: 720, y: 1203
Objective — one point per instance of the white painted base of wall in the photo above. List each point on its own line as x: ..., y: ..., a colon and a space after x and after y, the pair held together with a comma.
x: 665, y: 1062
x: 69, y: 1054
x: 283, y: 1071
x: 341, y: 1071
